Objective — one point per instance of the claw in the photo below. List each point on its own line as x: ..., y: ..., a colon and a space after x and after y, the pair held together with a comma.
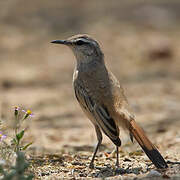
x: 91, y: 166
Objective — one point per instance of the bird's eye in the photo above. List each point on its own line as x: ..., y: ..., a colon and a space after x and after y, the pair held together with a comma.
x: 79, y: 42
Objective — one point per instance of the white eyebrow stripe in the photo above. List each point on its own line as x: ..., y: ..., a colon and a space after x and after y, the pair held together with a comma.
x: 82, y: 39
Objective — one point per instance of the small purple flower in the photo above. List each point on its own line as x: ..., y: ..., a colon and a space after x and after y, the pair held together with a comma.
x: 28, y: 113
x: 2, y: 136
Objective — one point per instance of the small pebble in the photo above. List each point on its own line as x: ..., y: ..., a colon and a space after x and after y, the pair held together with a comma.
x: 120, y: 171
x: 153, y: 173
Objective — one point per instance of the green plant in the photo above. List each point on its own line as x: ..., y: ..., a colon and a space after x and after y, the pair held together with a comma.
x: 17, y: 172
x: 15, y: 151
x: 19, y: 133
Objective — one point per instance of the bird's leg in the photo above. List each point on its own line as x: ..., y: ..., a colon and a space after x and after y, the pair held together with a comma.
x: 99, y: 137
x: 117, y: 157
x: 94, y: 155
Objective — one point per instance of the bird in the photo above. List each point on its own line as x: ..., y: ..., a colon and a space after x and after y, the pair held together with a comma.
x: 102, y: 98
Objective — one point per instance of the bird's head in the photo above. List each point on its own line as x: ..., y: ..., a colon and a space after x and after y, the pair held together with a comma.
x: 83, y: 46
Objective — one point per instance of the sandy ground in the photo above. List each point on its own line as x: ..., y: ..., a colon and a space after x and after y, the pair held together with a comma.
x: 142, y: 51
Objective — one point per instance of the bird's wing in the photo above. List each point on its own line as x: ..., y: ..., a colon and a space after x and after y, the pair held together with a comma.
x: 99, y: 113
x: 107, y: 124
x: 84, y: 99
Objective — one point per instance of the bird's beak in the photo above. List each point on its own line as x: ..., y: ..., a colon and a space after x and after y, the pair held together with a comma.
x: 65, y: 42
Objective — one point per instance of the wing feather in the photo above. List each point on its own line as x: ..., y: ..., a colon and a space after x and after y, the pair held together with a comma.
x: 99, y: 113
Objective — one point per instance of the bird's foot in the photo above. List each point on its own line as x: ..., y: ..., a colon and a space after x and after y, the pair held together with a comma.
x: 91, y: 166
x: 117, y: 164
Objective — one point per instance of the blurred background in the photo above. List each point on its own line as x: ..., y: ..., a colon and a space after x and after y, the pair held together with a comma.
x: 141, y: 43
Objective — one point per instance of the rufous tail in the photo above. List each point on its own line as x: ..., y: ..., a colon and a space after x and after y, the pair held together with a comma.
x: 150, y: 150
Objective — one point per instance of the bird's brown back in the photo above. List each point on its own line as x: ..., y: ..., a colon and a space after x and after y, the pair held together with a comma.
x: 103, y: 88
